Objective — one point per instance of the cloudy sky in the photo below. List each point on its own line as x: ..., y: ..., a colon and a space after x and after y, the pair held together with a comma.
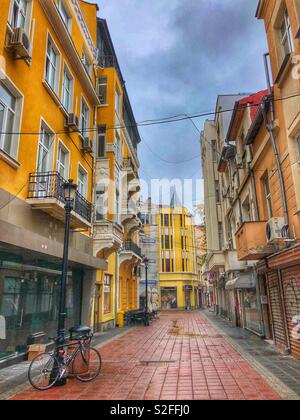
x: 176, y: 57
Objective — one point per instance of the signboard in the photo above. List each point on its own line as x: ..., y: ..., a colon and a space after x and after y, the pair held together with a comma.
x: 264, y: 300
x: 186, y: 288
x: 148, y: 241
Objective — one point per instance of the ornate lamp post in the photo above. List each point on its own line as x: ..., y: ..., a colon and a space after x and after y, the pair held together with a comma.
x: 69, y: 192
x: 146, y: 318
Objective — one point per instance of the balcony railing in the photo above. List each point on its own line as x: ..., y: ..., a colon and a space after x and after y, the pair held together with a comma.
x: 48, y: 185
x: 107, y: 61
x: 131, y: 246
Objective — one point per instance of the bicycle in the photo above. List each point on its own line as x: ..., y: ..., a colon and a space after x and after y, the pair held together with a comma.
x: 48, y: 368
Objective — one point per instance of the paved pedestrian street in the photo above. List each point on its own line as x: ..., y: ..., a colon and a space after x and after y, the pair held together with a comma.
x: 181, y: 356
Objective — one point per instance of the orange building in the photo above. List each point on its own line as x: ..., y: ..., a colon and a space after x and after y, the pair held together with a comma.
x: 265, y: 202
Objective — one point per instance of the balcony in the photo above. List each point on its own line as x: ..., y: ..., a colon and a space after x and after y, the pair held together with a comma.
x: 131, y: 253
x: 252, y: 242
x: 215, y: 260
x: 128, y: 167
x: 46, y: 193
x: 108, y: 237
x: 232, y: 263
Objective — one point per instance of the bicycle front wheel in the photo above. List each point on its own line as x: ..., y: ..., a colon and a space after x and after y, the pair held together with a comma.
x: 44, y: 371
x: 94, y: 367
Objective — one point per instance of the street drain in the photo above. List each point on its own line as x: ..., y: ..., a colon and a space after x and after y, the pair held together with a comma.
x: 156, y: 362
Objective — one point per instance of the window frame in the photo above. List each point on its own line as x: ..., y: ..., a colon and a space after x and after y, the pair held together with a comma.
x: 105, y: 85
x: 67, y: 71
x: 57, y: 73
x: 62, y: 146
x: 102, y: 135
x: 82, y: 170
x: 87, y: 119
x: 267, y: 195
x: 298, y: 147
x: 64, y: 9
x: 46, y: 127
x: 287, y: 36
x: 107, y: 282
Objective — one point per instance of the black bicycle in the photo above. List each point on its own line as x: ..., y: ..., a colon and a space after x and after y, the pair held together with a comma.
x: 77, y: 359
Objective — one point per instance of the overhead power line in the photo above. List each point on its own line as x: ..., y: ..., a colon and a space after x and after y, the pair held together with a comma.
x: 161, y: 121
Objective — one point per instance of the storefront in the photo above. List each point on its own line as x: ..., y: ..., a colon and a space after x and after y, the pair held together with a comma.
x: 168, y: 298
x: 29, y: 301
x: 244, y: 302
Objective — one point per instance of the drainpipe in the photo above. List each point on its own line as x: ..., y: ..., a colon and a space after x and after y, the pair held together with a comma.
x: 270, y: 126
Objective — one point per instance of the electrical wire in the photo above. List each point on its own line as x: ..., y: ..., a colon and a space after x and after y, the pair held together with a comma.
x: 164, y: 121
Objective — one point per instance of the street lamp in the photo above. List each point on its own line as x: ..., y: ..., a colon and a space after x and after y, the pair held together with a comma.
x: 146, y: 318
x: 69, y: 193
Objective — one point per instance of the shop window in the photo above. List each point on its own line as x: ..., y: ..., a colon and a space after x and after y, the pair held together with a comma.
x: 168, y: 298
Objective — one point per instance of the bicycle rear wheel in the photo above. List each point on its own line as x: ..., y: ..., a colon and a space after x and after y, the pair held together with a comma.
x: 94, y: 367
x: 43, y: 371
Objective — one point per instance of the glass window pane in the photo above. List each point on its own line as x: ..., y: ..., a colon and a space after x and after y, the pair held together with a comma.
x: 1, y: 117
x: 6, y: 97
x: 7, y: 147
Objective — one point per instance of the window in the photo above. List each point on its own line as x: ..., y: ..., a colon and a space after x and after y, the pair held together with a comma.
x: 166, y: 220
x: 84, y: 118
x: 100, y: 204
x: 167, y: 242
x: 268, y: 197
x: 214, y: 150
x: 46, y: 141
x: 107, y: 293
x: 101, y: 141
x: 86, y: 62
x: 82, y: 181
x: 52, y: 65
x: 65, y: 14
x: 63, y: 161
x: 217, y: 188
x: 102, y: 90
x: 118, y: 104
x: 221, y: 236
x: 67, y: 91
x: 117, y: 195
x: 7, y: 119
x: 117, y: 146
x: 298, y: 147
x: 286, y: 36
x: 19, y: 12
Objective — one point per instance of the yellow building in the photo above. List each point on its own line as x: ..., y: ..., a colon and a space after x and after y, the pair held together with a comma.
x: 117, y: 223
x: 48, y: 113
x: 179, y: 283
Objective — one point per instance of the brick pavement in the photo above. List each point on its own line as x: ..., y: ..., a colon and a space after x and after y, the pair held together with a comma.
x: 181, y: 356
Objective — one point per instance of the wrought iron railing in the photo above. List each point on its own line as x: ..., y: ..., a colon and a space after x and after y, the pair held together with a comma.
x: 50, y: 185
x: 131, y: 246
x: 107, y: 61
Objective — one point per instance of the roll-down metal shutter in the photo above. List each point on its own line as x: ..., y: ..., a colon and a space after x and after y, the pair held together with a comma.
x: 291, y: 289
x: 276, y: 309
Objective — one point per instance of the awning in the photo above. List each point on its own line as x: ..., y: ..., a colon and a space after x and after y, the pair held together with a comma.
x: 244, y: 281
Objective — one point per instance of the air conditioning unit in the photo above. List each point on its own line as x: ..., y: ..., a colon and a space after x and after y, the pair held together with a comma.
x: 87, y: 145
x: 274, y: 229
x: 72, y: 122
x: 19, y: 43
